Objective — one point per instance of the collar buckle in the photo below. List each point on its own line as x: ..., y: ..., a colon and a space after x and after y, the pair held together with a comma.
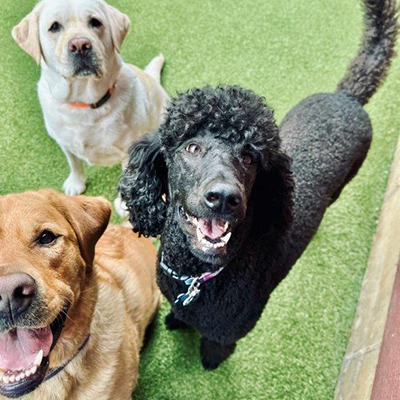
x: 194, y: 282
x: 191, y: 294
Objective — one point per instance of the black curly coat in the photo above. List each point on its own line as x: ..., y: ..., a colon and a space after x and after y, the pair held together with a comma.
x: 220, y: 157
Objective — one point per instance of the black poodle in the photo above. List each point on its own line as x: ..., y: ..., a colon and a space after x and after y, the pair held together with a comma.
x: 234, y: 213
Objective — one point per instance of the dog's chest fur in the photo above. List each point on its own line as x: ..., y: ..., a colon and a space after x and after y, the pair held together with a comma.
x: 228, y: 305
x: 102, y: 136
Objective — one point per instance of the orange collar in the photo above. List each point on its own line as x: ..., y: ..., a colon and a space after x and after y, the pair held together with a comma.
x: 100, y: 103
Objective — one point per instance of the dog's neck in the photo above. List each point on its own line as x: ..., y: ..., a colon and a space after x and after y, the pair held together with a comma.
x: 81, y: 90
x: 179, y: 249
x: 193, y: 266
x: 247, y: 245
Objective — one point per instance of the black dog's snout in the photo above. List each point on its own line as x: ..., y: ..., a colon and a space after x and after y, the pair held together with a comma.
x: 223, y: 198
x: 16, y: 294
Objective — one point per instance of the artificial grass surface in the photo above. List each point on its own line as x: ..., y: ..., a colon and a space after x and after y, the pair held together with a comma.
x: 284, y: 50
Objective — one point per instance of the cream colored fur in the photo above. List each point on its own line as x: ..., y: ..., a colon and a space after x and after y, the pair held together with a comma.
x: 100, y: 136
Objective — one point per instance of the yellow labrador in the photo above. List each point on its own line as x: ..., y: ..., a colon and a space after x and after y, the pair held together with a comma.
x: 94, y: 104
x: 72, y: 321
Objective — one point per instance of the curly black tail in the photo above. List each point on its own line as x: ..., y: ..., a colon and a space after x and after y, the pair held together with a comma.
x: 369, y: 69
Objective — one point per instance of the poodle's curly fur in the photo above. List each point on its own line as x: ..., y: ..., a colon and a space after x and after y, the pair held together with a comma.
x: 235, y: 116
x: 280, y: 204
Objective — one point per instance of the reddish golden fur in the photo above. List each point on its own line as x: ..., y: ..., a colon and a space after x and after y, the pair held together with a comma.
x: 114, y: 296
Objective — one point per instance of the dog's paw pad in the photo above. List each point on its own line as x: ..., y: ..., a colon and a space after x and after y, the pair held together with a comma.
x: 172, y: 323
x: 74, y: 186
x: 120, y: 208
x: 209, y: 365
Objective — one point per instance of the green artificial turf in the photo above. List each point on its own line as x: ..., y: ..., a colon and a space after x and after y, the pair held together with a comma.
x: 284, y: 50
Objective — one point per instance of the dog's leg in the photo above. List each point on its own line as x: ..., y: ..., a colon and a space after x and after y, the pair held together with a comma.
x: 155, y: 67
x: 76, y: 181
x: 172, y: 323
x: 120, y: 208
x: 119, y: 204
x: 213, y: 353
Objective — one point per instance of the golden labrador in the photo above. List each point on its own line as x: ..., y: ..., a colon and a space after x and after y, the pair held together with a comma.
x: 72, y: 321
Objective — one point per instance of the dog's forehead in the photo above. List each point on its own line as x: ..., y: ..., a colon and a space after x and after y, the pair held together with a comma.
x: 65, y: 10
x: 29, y: 211
x: 220, y: 142
x: 209, y: 138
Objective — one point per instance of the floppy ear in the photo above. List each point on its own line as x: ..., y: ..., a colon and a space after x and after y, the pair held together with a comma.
x: 119, y: 24
x: 143, y: 186
x: 89, y: 217
x: 273, y: 197
x: 26, y: 34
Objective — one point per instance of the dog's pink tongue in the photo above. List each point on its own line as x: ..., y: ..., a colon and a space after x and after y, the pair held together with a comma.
x: 213, y: 228
x: 19, y: 347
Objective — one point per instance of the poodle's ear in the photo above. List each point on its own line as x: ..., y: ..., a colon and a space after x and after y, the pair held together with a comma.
x: 143, y: 186
x: 273, y: 197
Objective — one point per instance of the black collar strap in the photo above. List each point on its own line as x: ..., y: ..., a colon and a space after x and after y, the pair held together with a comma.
x: 100, y: 103
x: 53, y: 372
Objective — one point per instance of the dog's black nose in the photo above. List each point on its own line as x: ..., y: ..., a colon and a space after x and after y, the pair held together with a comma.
x: 223, y: 198
x: 16, y: 293
x: 79, y: 45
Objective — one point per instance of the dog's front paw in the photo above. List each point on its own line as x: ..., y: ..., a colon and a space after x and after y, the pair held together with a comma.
x: 120, y: 208
x: 213, y: 354
x: 209, y: 364
x: 172, y: 323
x: 74, y: 185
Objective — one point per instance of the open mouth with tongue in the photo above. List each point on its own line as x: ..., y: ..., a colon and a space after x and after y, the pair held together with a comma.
x: 24, y: 357
x: 211, y: 235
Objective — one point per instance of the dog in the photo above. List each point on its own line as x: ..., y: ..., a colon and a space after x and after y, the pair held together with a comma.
x: 72, y: 319
x: 236, y: 199
x: 94, y: 104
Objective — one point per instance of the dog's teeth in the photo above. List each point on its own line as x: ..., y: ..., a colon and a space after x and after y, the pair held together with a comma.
x: 226, y: 238
x: 28, y: 373
x: 6, y: 379
x: 205, y: 242
x: 33, y: 370
x: 226, y: 226
x: 17, y: 378
x: 22, y: 375
x: 12, y: 379
x: 39, y: 358
x: 209, y: 245
x: 200, y: 235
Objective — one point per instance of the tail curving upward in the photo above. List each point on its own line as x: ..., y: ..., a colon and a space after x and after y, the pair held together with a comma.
x: 369, y: 68
x: 155, y: 67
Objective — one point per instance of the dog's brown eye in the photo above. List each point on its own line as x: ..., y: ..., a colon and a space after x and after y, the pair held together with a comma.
x: 46, y: 238
x: 247, y: 159
x: 56, y: 27
x: 193, y: 148
x: 95, y: 23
